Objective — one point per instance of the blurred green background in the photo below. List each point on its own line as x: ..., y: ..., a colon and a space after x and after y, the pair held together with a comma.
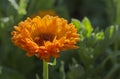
x: 97, y: 21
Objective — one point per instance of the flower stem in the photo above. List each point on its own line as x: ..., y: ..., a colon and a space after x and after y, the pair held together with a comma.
x: 45, y: 70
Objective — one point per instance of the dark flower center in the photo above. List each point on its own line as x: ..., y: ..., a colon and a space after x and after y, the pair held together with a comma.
x: 42, y: 38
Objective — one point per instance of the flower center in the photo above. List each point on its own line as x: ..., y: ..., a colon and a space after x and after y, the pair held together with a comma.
x: 42, y: 38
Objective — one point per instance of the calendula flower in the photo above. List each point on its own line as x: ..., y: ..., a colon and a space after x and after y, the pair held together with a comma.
x: 45, y: 37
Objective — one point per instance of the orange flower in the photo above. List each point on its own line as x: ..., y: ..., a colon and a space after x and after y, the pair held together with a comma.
x: 45, y: 37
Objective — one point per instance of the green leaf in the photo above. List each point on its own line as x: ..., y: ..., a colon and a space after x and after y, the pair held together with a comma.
x: 37, y: 76
x: 80, y: 28
x: 87, y: 26
x: 62, y: 70
x: 22, y: 7
x: 14, y: 4
x: 77, y: 23
x: 111, y: 30
x: 53, y: 63
x: 100, y: 35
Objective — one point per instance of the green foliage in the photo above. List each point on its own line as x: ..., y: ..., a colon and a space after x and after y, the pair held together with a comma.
x: 84, y: 27
x: 37, y: 77
x: 95, y: 52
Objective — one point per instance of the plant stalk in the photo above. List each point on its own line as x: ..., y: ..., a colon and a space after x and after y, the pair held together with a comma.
x: 45, y: 69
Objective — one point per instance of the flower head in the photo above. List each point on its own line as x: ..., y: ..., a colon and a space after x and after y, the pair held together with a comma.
x: 45, y: 37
